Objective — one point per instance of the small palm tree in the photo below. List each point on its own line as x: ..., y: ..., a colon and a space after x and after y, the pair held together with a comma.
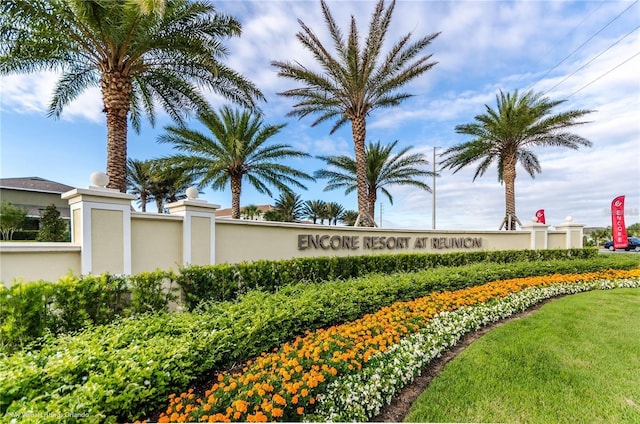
x: 138, y: 52
x: 139, y: 180
x: 235, y: 150
x: 384, y: 169
x: 250, y: 212
x: 315, y: 209
x: 334, y: 212
x: 507, y: 134
x: 168, y: 183
x: 349, y: 218
x: 290, y: 207
x: 355, y: 81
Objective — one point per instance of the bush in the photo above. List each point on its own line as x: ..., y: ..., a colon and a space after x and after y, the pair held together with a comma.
x: 227, y: 281
x: 29, y: 311
x: 124, y: 370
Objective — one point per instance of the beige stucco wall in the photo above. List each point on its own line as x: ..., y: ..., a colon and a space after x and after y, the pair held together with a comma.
x: 558, y: 240
x: 156, y: 242
x: 37, y: 261
x: 200, y: 240
x: 242, y: 240
x: 107, y: 240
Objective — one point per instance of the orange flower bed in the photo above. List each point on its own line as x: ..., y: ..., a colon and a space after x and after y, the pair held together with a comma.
x: 282, y: 385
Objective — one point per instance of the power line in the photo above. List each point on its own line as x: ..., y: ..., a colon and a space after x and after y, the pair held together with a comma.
x: 583, y: 44
x: 594, y: 58
x: 603, y: 75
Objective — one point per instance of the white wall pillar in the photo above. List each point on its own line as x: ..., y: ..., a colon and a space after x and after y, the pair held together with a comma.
x: 198, y: 230
x: 574, y: 233
x: 101, y: 224
x: 539, y: 235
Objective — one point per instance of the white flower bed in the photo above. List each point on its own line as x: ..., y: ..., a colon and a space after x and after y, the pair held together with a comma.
x: 362, y: 396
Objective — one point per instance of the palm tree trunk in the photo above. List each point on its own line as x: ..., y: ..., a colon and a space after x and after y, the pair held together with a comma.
x: 116, y: 94
x: 236, y: 188
x: 143, y: 201
x: 359, y: 132
x: 372, y: 198
x: 509, y: 176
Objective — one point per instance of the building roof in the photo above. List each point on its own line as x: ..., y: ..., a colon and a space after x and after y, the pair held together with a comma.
x: 34, y: 184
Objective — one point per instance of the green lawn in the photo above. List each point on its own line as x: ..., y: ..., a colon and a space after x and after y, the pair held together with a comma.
x: 576, y: 360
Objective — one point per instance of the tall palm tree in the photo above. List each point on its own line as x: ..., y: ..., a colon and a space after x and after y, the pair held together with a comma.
x: 383, y: 169
x: 507, y: 134
x: 290, y: 206
x: 315, y: 209
x: 136, y: 51
x: 167, y: 183
x: 355, y: 81
x: 235, y: 150
x: 139, y: 180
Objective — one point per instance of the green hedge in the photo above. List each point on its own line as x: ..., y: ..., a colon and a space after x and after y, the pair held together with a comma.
x: 125, y: 370
x: 29, y: 310
x: 227, y: 281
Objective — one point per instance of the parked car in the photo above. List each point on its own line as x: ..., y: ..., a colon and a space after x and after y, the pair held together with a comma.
x: 634, y: 244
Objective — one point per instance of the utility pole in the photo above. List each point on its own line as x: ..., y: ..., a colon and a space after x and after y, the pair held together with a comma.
x: 381, y: 209
x: 433, y: 192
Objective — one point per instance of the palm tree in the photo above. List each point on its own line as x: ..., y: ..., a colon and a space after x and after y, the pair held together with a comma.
x: 507, y: 134
x: 236, y: 149
x: 355, y: 81
x: 349, y: 218
x: 290, y: 206
x: 138, y: 52
x: 383, y: 170
x: 250, y: 212
x: 168, y: 183
x: 334, y: 212
x: 315, y: 209
x: 139, y: 180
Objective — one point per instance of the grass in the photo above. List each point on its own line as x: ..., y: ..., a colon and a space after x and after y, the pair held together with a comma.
x: 576, y: 360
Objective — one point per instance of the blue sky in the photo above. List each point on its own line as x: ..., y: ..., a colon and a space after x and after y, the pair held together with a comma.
x: 587, y: 52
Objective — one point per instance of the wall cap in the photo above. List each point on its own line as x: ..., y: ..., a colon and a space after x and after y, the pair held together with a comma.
x: 97, y: 192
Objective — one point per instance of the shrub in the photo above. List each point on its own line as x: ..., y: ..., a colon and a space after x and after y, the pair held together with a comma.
x: 120, y: 371
x: 227, y: 281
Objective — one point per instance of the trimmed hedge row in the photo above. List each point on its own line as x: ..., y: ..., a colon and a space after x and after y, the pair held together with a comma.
x: 30, y: 310
x: 227, y: 281
x: 125, y: 370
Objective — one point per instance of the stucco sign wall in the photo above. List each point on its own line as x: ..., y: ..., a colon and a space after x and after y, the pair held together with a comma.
x: 343, y: 242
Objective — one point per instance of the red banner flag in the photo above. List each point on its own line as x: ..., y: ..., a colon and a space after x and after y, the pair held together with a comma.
x: 618, y: 229
x: 540, y: 216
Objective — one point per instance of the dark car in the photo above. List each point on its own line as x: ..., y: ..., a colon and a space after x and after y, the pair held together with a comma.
x: 634, y: 244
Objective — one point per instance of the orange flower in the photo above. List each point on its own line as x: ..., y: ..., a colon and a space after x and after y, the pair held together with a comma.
x: 277, y: 412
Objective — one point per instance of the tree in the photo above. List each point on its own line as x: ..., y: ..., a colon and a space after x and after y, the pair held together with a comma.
x: 315, y: 209
x: 11, y: 219
x: 383, y: 170
x: 349, y: 218
x: 634, y: 229
x: 250, y: 212
x: 139, y: 180
x: 237, y: 150
x: 334, y: 212
x: 355, y: 81
x: 168, y: 183
x: 138, y: 52
x: 600, y: 235
x: 290, y: 207
x: 52, y: 226
x: 507, y: 135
